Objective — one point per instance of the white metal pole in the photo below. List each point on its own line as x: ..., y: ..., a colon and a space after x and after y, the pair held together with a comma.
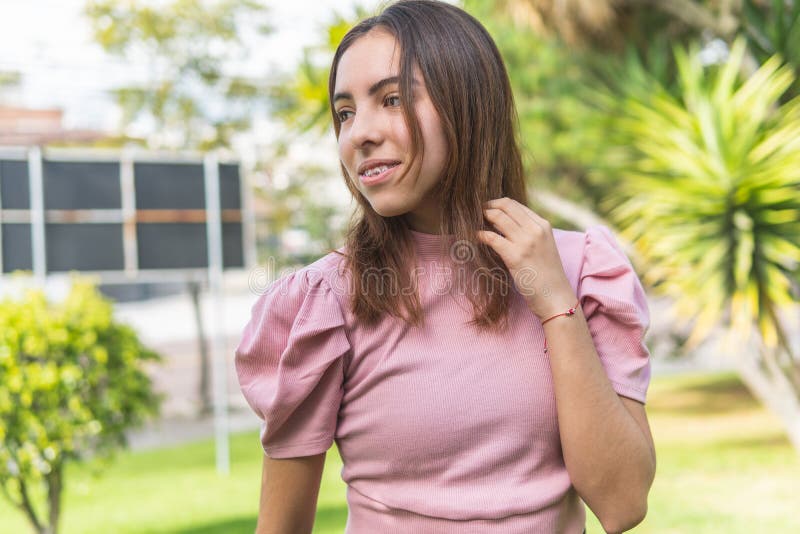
x: 130, y: 245
x: 1, y: 227
x: 248, y: 217
x: 214, y: 234
x: 35, y: 181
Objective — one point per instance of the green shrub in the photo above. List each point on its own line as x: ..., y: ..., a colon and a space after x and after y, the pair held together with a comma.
x: 72, y: 380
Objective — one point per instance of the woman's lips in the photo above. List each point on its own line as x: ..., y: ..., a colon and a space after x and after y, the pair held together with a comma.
x: 373, y: 180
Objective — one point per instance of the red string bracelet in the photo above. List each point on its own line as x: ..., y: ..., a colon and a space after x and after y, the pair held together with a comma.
x: 569, y: 312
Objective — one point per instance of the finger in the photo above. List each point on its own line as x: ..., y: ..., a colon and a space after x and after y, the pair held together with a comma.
x: 521, y: 214
x: 503, y: 222
x: 500, y: 244
x: 536, y: 217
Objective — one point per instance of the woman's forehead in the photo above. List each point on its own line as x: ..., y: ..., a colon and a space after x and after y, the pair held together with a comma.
x: 371, y: 58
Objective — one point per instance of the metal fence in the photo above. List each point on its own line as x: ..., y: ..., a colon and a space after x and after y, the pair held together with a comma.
x: 125, y: 216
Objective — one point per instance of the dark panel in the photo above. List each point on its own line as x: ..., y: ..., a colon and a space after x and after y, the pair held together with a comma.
x: 229, y: 188
x: 81, y: 185
x: 232, y: 251
x: 172, y: 245
x: 141, y: 291
x: 84, y: 247
x: 169, y: 186
x: 17, y: 251
x: 14, y: 185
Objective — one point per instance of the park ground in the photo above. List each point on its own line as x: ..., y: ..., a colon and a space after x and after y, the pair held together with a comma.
x: 724, y: 465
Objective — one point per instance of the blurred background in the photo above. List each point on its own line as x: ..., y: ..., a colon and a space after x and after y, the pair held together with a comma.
x: 676, y: 124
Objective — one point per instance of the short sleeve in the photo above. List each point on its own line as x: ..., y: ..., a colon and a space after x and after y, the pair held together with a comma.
x: 290, y: 365
x: 615, y: 306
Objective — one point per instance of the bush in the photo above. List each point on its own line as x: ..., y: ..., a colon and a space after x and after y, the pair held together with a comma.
x: 72, y: 381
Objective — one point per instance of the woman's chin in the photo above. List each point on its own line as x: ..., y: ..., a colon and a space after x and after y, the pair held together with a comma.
x: 386, y: 209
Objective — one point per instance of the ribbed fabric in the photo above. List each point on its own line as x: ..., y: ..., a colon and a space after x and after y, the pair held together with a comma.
x: 442, y: 428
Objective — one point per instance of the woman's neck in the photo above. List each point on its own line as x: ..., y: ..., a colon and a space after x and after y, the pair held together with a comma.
x: 429, y: 246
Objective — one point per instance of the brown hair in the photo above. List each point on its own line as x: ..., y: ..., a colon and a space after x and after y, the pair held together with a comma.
x: 470, y: 90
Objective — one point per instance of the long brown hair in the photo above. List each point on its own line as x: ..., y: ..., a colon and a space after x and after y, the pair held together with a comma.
x: 470, y: 90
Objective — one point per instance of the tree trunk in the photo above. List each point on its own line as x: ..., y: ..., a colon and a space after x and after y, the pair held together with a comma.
x: 768, y: 383
x: 54, y: 486
x: 205, y: 380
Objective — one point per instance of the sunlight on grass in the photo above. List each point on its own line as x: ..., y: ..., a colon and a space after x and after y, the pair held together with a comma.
x: 724, y: 465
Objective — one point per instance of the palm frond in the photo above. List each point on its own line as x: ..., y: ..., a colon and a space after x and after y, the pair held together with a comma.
x: 710, y: 191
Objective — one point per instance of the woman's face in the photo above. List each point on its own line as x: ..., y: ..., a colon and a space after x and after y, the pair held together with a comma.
x: 374, y: 142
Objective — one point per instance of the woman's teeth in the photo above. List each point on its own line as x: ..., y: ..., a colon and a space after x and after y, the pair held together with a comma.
x: 378, y: 170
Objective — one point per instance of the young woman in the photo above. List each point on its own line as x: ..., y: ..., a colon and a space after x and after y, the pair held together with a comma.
x: 479, y: 370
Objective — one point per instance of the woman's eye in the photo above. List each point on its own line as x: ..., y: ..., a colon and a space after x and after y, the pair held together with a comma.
x: 343, y: 115
x: 393, y: 100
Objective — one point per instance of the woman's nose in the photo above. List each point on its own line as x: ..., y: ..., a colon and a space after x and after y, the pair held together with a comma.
x: 366, y: 128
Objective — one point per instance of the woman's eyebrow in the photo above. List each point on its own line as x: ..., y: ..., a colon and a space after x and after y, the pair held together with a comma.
x: 374, y: 88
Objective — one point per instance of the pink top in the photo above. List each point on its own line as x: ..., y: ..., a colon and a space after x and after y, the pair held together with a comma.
x: 442, y: 429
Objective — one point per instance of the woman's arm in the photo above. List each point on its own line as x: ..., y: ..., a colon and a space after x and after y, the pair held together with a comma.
x: 607, y: 446
x: 289, y: 491
x: 606, y: 440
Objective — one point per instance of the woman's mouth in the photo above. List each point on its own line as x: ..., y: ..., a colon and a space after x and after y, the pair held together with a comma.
x: 378, y: 174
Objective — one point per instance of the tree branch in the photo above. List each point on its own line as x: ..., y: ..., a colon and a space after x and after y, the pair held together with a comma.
x: 27, y: 506
x: 582, y: 217
x: 566, y: 209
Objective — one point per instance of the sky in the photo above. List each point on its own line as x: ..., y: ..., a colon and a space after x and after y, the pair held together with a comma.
x: 49, y: 42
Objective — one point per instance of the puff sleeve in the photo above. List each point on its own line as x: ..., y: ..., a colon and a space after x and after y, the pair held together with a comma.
x: 615, y: 306
x: 290, y: 365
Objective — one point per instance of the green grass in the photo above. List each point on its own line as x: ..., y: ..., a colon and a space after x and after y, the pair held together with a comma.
x: 724, y: 465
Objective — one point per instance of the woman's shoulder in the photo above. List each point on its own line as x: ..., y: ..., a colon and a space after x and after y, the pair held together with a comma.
x: 326, y: 270
x: 298, y: 300
x: 321, y: 283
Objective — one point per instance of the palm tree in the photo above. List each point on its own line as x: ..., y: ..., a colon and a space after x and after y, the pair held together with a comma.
x: 710, y: 195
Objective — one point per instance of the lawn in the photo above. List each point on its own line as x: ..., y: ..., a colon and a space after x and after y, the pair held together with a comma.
x: 724, y: 465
